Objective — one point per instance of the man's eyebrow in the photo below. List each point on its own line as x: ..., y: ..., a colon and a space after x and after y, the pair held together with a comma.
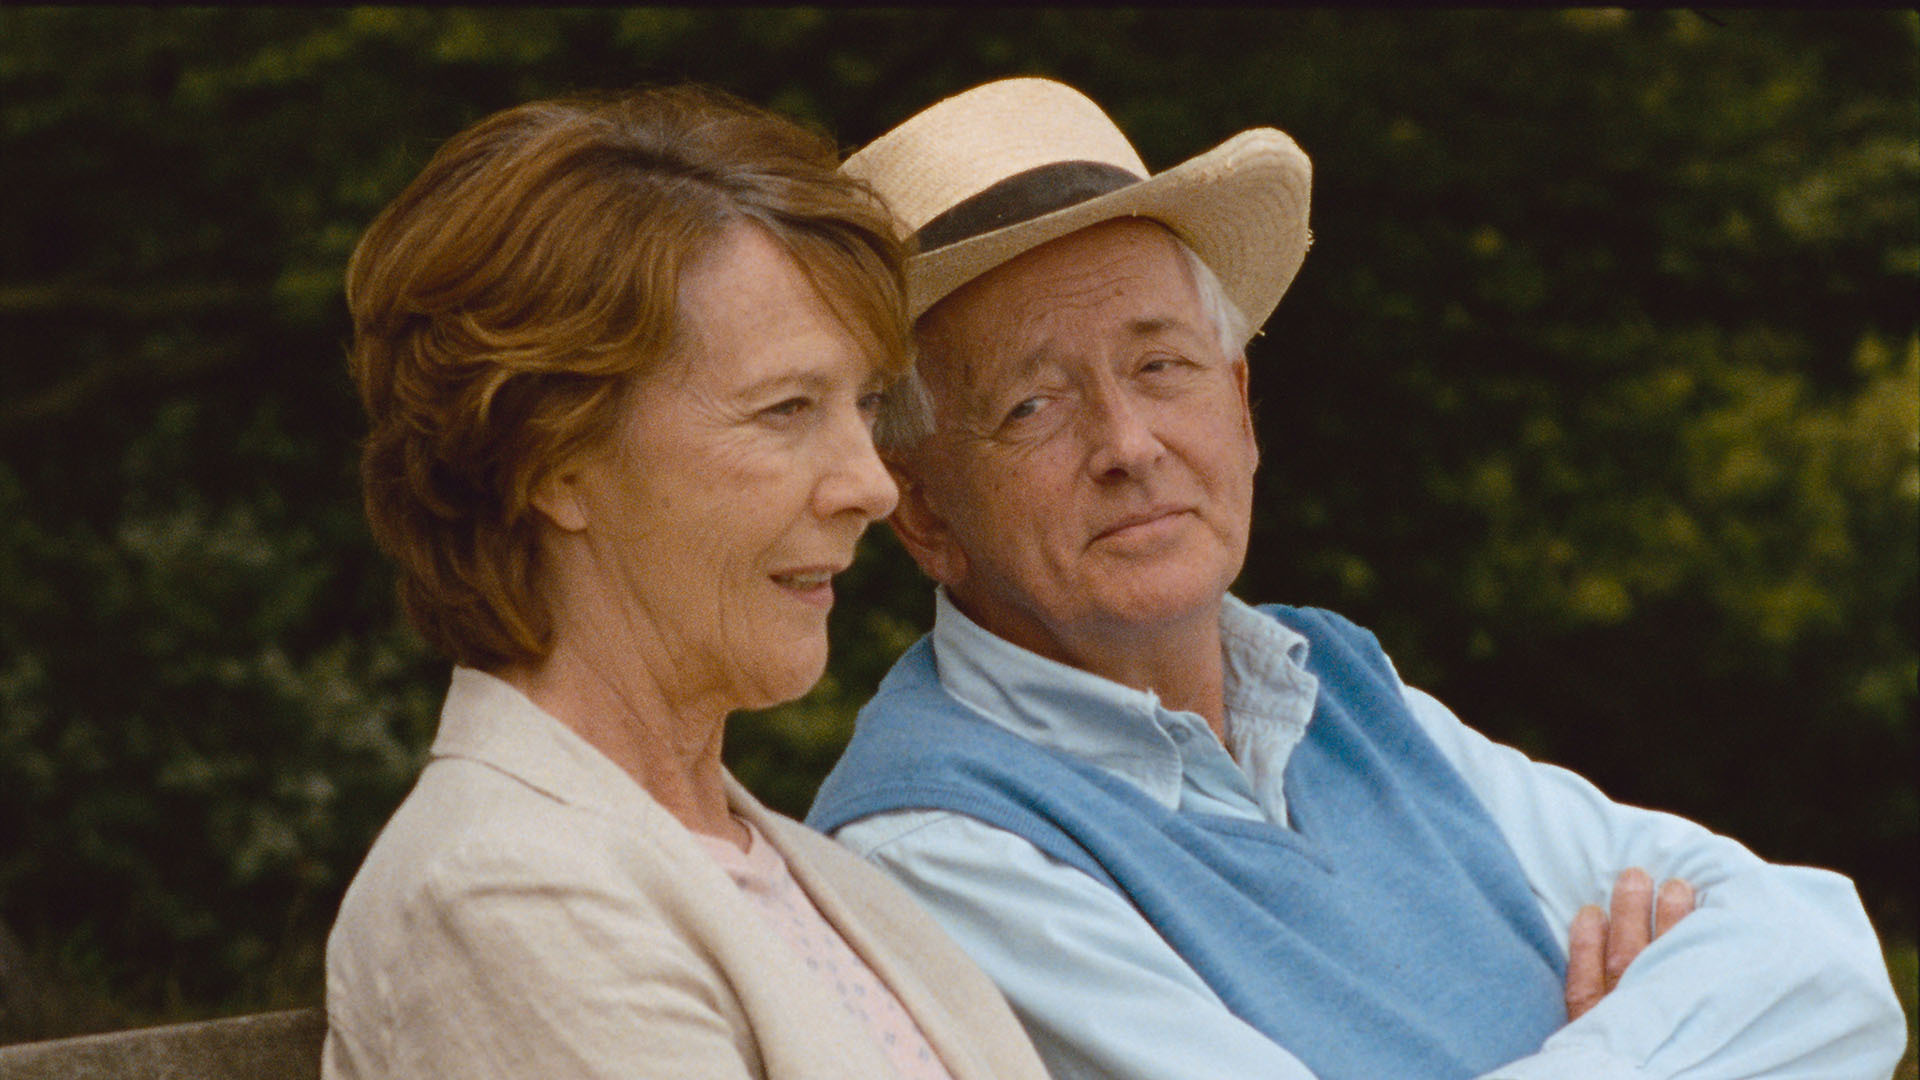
x: 1149, y: 325
x: 1019, y: 371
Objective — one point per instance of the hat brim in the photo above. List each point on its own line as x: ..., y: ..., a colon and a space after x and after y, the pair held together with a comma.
x: 1241, y: 206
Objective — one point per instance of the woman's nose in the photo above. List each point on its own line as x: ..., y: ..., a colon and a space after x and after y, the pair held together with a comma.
x: 858, y: 480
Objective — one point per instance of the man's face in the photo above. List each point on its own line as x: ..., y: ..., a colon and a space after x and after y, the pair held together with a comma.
x: 1090, y: 481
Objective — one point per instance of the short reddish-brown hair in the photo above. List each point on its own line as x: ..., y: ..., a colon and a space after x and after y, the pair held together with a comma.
x: 506, y: 298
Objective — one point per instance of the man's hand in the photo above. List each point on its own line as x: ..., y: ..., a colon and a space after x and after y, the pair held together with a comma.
x: 1603, y: 943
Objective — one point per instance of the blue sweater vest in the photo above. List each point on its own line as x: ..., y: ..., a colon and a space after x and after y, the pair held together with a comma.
x: 1390, y: 933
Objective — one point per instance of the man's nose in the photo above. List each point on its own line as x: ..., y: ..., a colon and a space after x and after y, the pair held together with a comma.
x: 1122, y: 435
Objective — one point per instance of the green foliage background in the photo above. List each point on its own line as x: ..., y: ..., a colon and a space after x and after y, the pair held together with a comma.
x: 1596, y: 399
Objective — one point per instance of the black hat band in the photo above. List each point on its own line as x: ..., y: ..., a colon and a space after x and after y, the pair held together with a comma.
x: 1022, y: 197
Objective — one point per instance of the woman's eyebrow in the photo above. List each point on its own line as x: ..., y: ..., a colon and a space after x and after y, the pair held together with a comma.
x: 810, y: 381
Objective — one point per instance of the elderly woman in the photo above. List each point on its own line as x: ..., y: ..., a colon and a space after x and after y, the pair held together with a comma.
x: 620, y: 357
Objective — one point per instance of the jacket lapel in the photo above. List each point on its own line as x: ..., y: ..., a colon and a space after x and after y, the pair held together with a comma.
x: 802, y: 1030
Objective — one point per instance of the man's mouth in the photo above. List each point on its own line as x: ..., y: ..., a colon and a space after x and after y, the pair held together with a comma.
x: 1134, y: 521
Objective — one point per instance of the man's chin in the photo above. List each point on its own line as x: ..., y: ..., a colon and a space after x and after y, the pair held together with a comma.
x: 1149, y: 602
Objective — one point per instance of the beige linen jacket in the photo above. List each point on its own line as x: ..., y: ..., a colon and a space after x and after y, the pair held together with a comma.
x: 530, y: 911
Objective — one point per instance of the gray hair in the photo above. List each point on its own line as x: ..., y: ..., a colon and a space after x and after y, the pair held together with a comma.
x: 906, y: 416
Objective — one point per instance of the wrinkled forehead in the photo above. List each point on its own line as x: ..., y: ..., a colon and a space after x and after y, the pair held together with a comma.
x: 1108, y: 278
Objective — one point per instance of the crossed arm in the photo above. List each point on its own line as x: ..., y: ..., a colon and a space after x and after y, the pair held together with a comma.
x: 1775, y: 973
x: 1769, y: 971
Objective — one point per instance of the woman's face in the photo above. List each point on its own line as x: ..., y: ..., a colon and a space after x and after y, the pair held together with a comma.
x: 737, y: 483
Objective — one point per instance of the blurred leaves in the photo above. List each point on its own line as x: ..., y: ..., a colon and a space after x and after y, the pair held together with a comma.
x: 1596, y: 399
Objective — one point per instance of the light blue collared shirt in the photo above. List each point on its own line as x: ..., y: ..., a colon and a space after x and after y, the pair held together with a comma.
x: 1777, y: 969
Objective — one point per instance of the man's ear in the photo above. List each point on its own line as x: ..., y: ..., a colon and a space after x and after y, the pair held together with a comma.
x: 923, y: 531
x: 1241, y: 379
x: 559, y: 497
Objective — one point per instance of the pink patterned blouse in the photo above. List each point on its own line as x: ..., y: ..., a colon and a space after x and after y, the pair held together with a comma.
x: 763, y: 875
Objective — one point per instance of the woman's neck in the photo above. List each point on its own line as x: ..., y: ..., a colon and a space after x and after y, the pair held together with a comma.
x: 672, y: 751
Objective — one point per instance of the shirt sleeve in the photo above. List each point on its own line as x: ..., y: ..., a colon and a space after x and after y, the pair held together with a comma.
x: 1777, y: 973
x: 1101, y: 993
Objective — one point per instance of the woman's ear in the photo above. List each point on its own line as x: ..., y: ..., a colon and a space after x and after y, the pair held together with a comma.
x: 561, y: 499
x: 923, y: 531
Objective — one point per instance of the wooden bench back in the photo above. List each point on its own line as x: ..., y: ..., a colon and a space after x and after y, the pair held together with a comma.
x: 261, y: 1046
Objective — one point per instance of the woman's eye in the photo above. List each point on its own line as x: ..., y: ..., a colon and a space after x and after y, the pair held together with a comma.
x: 872, y: 403
x: 1024, y: 409
x: 793, y: 406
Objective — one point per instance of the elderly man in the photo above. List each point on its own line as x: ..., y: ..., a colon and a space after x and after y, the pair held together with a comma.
x: 1191, y: 838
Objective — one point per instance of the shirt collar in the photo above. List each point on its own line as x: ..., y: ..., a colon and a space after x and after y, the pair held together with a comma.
x: 1268, y: 693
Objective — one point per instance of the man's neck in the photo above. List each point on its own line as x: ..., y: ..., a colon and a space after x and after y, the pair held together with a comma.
x: 1181, y: 662
x: 1184, y: 669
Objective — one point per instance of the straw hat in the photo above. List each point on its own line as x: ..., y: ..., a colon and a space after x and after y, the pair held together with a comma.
x: 987, y: 174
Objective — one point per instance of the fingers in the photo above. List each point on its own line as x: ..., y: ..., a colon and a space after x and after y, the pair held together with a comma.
x: 1674, y: 903
x: 1601, y: 944
x: 1629, y: 925
x: 1586, y: 949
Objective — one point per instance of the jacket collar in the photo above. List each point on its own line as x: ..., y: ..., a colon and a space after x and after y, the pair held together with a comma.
x: 489, y: 721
